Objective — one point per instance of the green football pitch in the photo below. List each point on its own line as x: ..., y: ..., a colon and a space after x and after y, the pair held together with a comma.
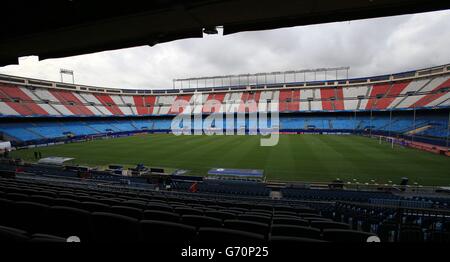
x: 311, y: 158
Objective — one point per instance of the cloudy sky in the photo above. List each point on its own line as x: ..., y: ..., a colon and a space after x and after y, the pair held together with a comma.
x: 369, y: 47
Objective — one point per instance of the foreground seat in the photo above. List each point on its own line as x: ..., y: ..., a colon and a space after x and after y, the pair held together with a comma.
x: 317, y: 219
x: 295, y: 231
x: 68, y: 221
x: 9, y: 234
x: 255, y: 212
x: 306, y: 210
x: 286, y: 239
x: 309, y: 215
x: 136, y: 204
x: 161, y: 216
x: 46, y: 238
x: 237, y: 210
x: 227, y: 236
x: 284, y: 208
x: 290, y: 221
x: 166, y: 232
x: 5, y: 208
x: 343, y: 235
x: 329, y: 225
x: 42, y: 199
x: 108, y: 227
x: 96, y: 207
x: 127, y: 211
x: 159, y: 207
x: 201, y: 221
x: 28, y: 216
x: 16, y: 196
x: 220, y: 214
x: 249, y: 226
x: 255, y: 218
x: 86, y: 199
x: 411, y: 235
x: 188, y: 211
x: 68, y: 203
x: 109, y: 201
x: 285, y: 213
x: 48, y: 193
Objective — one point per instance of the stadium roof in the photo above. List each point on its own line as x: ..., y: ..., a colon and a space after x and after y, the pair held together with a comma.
x: 53, y: 29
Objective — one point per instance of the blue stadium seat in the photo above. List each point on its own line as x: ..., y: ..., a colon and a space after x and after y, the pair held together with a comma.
x: 244, y: 225
x: 344, y: 235
x: 290, y: 221
x: 68, y: 221
x: 46, y: 238
x: 96, y: 207
x: 161, y: 215
x: 200, y: 221
x: 12, y: 235
x: 227, y: 236
x: 113, y: 228
x: 282, y: 240
x: 127, y: 211
x: 166, y: 232
x: 295, y: 231
x: 187, y: 211
x: 329, y: 225
x: 255, y: 218
x: 28, y: 216
x: 220, y: 214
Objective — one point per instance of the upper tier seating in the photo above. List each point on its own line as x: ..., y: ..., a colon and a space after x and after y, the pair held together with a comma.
x: 18, y: 100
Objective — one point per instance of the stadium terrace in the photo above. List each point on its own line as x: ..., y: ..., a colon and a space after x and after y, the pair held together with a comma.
x: 381, y: 104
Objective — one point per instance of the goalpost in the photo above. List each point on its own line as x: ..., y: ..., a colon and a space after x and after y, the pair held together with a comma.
x: 390, y: 140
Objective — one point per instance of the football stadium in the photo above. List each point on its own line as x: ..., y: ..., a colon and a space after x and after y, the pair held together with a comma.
x: 254, y: 158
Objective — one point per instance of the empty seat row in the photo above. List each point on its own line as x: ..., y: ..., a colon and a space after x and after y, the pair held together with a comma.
x: 133, y: 206
x: 66, y: 221
x: 186, y: 208
x: 108, y: 227
x: 108, y: 199
x: 173, y: 216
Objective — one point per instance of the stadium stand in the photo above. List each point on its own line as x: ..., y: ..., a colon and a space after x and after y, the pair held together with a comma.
x: 105, y: 208
x: 427, y: 124
x: 47, y: 204
x: 60, y: 210
x: 413, y: 92
x: 302, y: 106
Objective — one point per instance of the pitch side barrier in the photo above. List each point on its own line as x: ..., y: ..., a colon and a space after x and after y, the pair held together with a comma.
x: 401, y: 208
x: 356, y: 186
x: 84, y: 138
x: 422, y: 143
x: 423, y: 139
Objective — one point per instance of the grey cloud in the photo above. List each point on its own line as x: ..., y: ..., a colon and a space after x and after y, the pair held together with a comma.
x: 369, y: 47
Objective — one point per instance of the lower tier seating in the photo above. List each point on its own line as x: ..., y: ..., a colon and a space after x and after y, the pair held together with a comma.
x: 36, y: 211
x: 51, y: 211
x: 425, y: 124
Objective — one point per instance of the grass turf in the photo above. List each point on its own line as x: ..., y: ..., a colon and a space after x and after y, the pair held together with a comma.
x: 314, y: 158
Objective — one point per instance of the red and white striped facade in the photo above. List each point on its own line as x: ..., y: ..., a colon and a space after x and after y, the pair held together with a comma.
x: 427, y: 88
